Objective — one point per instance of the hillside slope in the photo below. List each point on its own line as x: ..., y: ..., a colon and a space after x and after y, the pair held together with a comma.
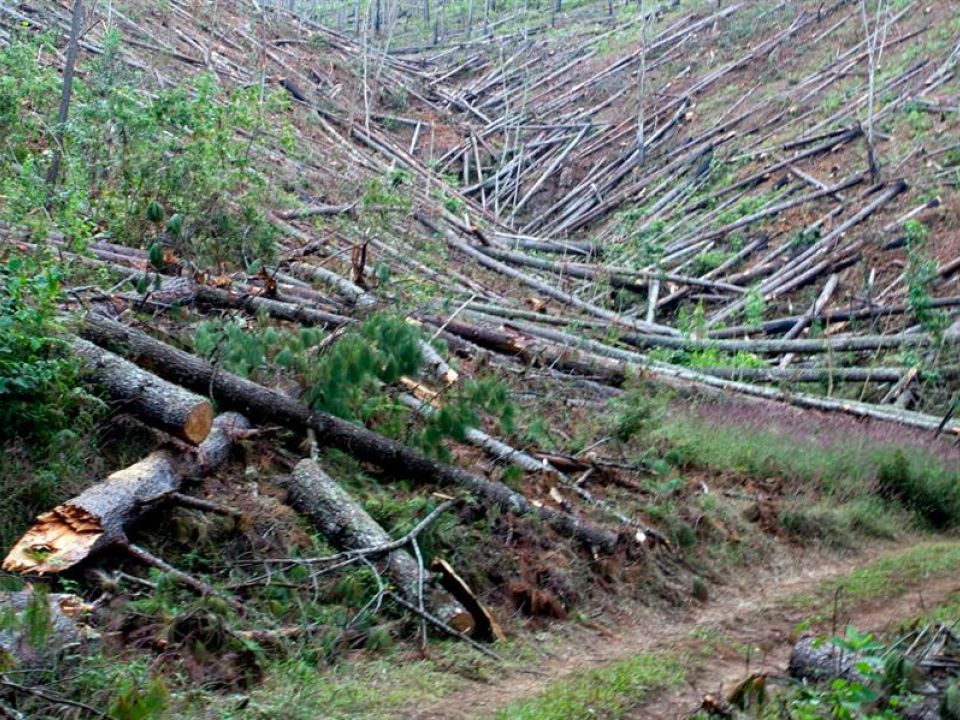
x: 604, y: 307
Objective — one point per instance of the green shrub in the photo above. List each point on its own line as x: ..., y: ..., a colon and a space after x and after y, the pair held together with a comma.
x: 130, y: 158
x: 634, y: 413
x: 931, y: 492
x: 38, y: 390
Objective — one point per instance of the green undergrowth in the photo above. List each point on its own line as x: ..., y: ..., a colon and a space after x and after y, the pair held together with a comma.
x: 604, y: 692
x: 850, y: 478
x: 367, y: 688
x: 140, y: 166
x: 48, y: 444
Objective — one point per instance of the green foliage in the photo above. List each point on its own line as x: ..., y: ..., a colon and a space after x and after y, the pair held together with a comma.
x: 36, y: 618
x: 870, y: 696
x: 135, y: 703
x: 452, y: 203
x: 707, y: 261
x: 804, y: 238
x: 933, y: 493
x: 131, y: 160
x: 258, y: 350
x: 849, y: 475
x: 351, y: 377
x: 633, y: 413
x: 347, y: 381
x: 740, y: 209
x: 754, y: 307
x: 645, y: 245
x: 700, y: 589
x: 711, y: 357
x: 461, y: 410
x: 33, y: 623
x: 38, y: 392
x: 921, y: 276
x: 383, y: 196
x: 919, y: 121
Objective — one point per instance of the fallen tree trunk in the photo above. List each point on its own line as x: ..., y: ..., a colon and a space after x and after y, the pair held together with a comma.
x: 632, y: 361
x: 353, y: 293
x: 261, y: 403
x: 292, y: 312
x: 24, y: 645
x: 815, y: 660
x: 155, y: 401
x: 101, y: 515
x: 348, y: 526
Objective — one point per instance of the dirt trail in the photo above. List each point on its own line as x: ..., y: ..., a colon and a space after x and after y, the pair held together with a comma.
x: 752, y: 612
x: 769, y: 631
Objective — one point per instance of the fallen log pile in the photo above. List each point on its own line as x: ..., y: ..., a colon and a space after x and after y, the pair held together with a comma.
x: 589, y: 210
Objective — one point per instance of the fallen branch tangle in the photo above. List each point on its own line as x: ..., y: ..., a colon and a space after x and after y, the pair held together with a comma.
x: 727, y: 206
x: 261, y: 404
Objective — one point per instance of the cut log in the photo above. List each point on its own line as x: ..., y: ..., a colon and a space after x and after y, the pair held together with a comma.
x: 101, y: 515
x: 486, y: 626
x: 155, y: 401
x: 816, y: 659
x: 33, y: 644
x: 264, y: 404
x: 348, y: 526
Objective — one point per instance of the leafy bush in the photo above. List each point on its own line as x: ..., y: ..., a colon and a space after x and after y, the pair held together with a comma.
x: 38, y: 391
x: 881, y: 691
x: 129, y: 157
x: 933, y: 493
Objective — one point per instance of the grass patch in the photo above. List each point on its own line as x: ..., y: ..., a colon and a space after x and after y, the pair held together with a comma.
x: 852, y: 473
x: 840, y: 525
x: 606, y: 692
x: 929, y: 491
x: 887, y: 577
x: 362, y: 689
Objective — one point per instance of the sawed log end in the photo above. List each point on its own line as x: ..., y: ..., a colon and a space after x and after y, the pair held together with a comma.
x: 198, y: 423
x: 58, y: 540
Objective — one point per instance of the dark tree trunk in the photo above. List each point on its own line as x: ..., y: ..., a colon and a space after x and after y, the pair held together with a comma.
x: 76, y: 23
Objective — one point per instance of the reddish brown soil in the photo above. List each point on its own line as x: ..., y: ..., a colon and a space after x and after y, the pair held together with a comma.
x: 751, y: 611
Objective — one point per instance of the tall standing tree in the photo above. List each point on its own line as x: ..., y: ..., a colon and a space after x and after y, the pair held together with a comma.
x: 875, y: 39
x: 76, y: 27
x: 641, y: 83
